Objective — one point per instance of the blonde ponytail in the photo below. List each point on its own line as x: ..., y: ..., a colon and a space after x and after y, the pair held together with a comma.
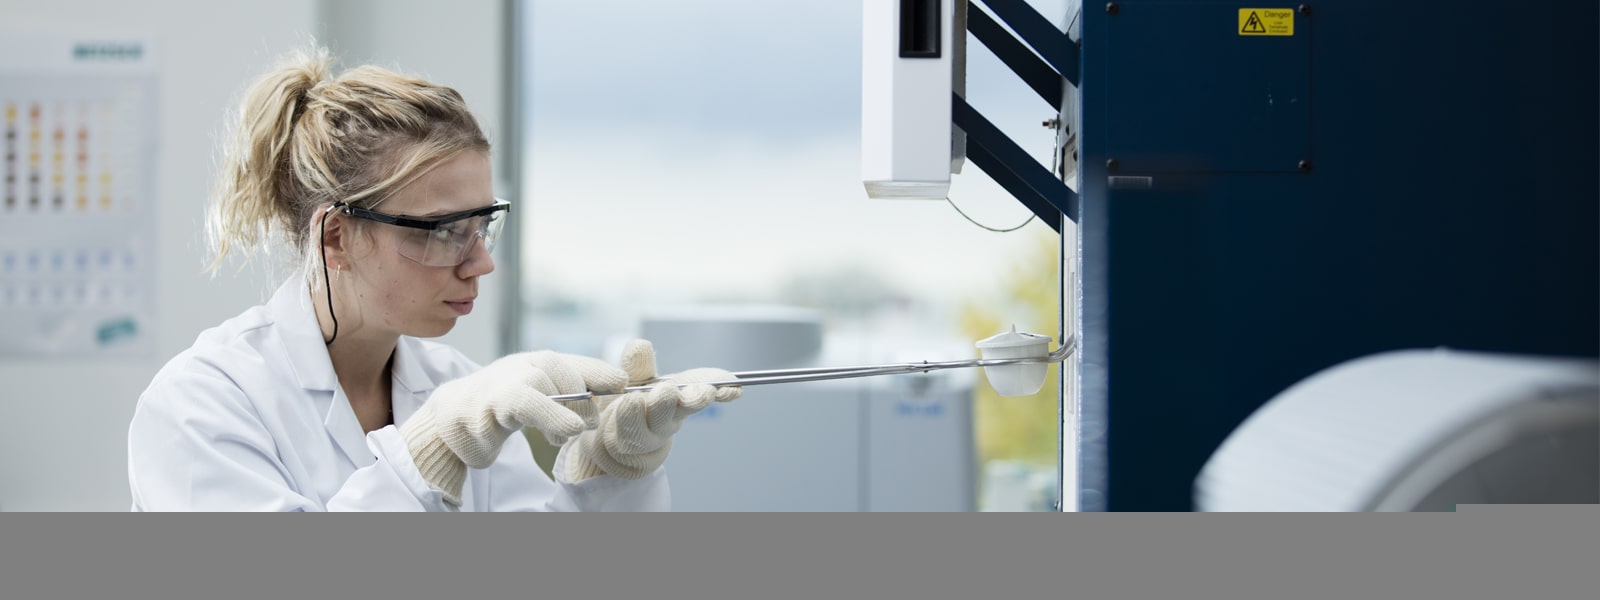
x: 302, y: 140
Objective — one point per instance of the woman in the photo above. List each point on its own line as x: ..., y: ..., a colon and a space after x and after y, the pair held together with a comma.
x: 324, y: 398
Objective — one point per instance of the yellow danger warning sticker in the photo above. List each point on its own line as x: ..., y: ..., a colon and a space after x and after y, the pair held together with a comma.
x: 1266, y: 21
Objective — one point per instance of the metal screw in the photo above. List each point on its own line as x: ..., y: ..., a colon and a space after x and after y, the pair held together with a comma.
x: 1305, y: 165
x: 1111, y: 164
x: 1052, y: 123
x: 1305, y: 9
x: 1112, y: 8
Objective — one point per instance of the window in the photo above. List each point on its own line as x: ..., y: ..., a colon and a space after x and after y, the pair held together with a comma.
x: 702, y: 158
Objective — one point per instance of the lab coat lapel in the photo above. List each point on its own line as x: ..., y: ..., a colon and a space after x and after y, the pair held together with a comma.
x: 303, y: 345
x: 296, y: 324
x: 413, y: 382
x: 345, y: 429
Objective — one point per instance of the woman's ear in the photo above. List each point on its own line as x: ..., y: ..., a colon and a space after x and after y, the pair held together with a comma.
x: 329, y: 232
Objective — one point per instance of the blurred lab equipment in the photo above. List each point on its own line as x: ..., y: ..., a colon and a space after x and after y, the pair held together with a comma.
x: 894, y: 443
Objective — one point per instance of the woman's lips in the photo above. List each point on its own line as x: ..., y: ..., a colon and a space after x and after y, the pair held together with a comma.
x: 461, y: 307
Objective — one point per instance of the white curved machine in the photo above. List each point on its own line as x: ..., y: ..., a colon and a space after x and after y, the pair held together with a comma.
x: 1417, y: 430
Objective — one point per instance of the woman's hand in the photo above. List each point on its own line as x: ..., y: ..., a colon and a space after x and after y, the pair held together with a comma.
x: 466, y: 421
x: 636, y: 429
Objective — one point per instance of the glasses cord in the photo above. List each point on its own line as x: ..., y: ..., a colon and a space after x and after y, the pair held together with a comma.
x: 327, y: 286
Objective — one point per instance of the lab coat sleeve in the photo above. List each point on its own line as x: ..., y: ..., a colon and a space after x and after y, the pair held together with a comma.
x: 516, y: 483
x: 195, y: 444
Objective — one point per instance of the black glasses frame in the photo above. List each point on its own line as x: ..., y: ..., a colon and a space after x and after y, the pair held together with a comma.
x: 428, y: 224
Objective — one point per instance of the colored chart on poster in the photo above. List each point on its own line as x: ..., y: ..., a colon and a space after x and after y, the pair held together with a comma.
x: 77, y: 214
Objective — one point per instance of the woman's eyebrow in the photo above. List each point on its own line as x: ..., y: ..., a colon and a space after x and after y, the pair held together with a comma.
x: 440, y: 213
x: 444, y: 212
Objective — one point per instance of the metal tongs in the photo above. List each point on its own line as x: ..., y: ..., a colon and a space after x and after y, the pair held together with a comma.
x: 767, y: 377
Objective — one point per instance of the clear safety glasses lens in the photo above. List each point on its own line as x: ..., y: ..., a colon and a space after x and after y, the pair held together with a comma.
x: 450, y: 242
x: 444, y: 241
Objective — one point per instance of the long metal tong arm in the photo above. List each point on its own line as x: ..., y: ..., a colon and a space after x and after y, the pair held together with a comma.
x: 826, y: 373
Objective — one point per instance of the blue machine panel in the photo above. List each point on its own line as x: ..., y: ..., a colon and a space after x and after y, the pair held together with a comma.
x: 1194, y: 93
x: 1452, y: 202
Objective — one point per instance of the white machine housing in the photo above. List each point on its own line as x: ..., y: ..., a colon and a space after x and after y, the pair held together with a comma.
x: 909, y: 59
x: 1417, y: 430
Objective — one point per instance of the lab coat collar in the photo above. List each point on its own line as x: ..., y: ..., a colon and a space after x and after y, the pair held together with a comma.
x: 294, y: 318
x: 291, y: 311
x: 408, y: 368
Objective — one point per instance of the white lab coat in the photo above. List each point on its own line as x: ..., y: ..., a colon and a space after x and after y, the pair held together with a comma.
x: 252, y: 418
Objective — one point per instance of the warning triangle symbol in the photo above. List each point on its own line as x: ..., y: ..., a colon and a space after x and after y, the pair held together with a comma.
x: 1253, y: 25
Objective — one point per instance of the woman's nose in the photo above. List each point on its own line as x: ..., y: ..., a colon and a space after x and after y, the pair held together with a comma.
x: 478, y: 263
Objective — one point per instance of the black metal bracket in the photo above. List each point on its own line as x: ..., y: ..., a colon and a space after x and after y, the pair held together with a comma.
x: 1044, y: 80
x: 1011, y: 167
x: 1002, y: 159
x: 1039, y: 33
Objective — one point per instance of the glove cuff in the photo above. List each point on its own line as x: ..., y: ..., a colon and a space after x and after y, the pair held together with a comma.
x: 439, y: 465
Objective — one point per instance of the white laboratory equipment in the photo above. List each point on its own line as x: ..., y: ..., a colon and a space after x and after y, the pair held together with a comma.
x: 910, y: 65
x: 1417, y: 430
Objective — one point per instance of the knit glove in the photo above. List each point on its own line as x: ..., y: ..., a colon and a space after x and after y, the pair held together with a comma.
x: 466, y: 421
x: 636, y: 428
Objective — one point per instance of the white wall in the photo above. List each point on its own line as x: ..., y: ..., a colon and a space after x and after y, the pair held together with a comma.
x: 65, y: 421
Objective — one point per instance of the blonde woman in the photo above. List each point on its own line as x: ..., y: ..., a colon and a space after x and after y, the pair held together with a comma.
x: 326, y: 397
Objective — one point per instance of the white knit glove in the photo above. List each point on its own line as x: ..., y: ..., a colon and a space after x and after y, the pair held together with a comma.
x: 636, y: 429
x: 465, y: 422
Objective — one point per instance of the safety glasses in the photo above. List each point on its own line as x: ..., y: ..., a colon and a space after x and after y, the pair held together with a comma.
x: 443, y: 241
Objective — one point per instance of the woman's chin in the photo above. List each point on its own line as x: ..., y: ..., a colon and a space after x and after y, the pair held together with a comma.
x: 433, y: 330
